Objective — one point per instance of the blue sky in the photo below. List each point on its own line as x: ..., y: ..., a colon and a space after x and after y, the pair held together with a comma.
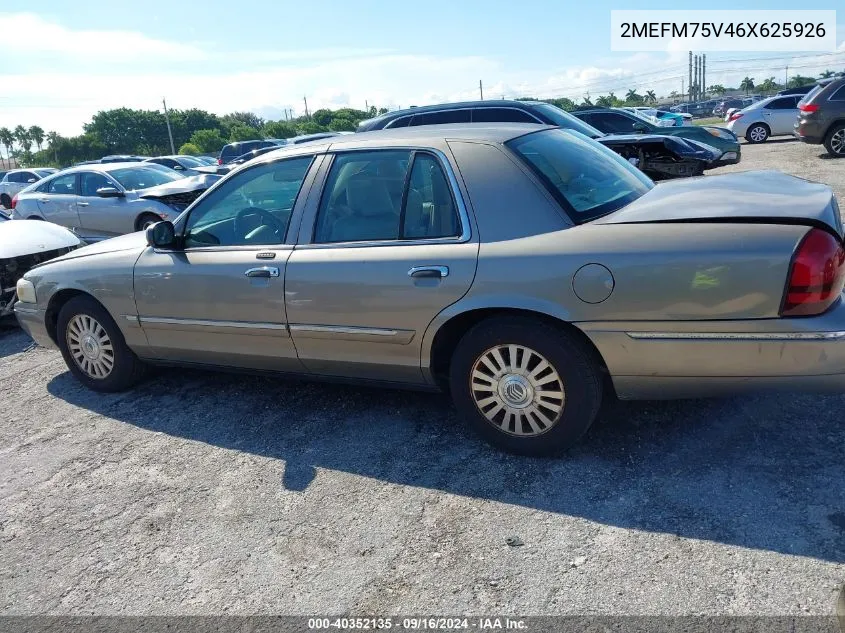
x: 64, y: 61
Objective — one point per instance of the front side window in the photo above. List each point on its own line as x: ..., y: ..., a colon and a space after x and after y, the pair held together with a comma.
x: 63, y: 185
x: 586, y: 178
x: 252, y: 208
x: 371, y: 196
x: 90, y: 181
x: 134, y: 178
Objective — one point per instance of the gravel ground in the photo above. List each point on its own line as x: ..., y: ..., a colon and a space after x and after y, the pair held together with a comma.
x: 203, y: 493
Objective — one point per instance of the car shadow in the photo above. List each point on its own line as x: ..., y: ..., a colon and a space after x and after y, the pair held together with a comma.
x: 13, y: 340
x: 758, y: 472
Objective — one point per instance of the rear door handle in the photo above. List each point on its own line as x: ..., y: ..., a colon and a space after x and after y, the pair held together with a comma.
x: 82, y: 204
x: 263, y: 271
x: 422, y: 272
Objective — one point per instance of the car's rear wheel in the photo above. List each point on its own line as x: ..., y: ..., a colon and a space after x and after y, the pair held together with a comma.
x: 757, y: 133
x: 834, y: 142
x: 93, y: 347
x: 5, y: 201
x: 146, y: 220
x: 524, y: 385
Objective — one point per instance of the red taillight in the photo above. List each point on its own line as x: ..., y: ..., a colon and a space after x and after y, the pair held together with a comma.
x: 816, y: 276
x: 735, y: 116
x: 14, y: 201
x: 219, y: 161
x: 809, y: 107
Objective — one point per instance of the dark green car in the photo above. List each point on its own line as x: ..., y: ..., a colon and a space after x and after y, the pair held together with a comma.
x: 616, y: 121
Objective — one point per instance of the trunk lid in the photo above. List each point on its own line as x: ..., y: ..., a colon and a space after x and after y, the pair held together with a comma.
x: 769, y: 197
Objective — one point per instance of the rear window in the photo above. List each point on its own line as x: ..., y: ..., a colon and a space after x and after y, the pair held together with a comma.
x: 134, y: 178
x: 559, y: 116
x: 586, y: 178
x: 807, y: 97
x: 838, y: 95
x: 441, y: 118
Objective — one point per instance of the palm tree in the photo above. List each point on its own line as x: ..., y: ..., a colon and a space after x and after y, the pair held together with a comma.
x: 53, y: 140
x: 612, y: 98
x: 6, y: 139
x: 37, y: 134
x: 604, y: 101
x: 632, y: 97
x: 769, y: 85
x: 747, y: 85
x: 718, y: 89
x: 22, y: 136
x: 826, y: 74
x: 650, y: 97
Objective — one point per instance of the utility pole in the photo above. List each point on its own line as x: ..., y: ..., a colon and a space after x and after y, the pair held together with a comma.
x: 690, y: 75
x: 704, y: 76
x: 786, y: 77
x: 169, y: 132
x: 306, y: 107
x: 481, y: 89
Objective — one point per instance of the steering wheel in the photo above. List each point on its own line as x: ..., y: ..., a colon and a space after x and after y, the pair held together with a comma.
x: 267, y: 218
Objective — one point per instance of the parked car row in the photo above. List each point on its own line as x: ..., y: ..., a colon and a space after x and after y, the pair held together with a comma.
x: 526, y: 269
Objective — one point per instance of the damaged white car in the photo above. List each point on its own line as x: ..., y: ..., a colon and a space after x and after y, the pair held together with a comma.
x: 23, y: 245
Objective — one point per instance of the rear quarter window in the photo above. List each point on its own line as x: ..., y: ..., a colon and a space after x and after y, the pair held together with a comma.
x: 838, y: 94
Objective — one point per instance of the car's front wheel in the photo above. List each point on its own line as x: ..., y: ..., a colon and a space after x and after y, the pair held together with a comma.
x: 757, y: 133
x: 146, y: 221
x: 525, y: 386
x: 93, y: 347
x: 834, y: 142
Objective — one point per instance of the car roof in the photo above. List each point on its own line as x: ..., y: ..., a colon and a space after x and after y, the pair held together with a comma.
x: 105, y: 167
x: 455, y: 105
x: 423, y: 135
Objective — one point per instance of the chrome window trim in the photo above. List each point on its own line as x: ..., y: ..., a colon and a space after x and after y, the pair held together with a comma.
x: 463, y: 214
x: 739, y: 336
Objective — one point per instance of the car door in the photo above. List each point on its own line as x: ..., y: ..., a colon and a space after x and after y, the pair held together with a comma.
x: 101, y: 217
x: 385, y: 248
x: 779, y: 114
x: 57, y: 200
x: 218, y: 298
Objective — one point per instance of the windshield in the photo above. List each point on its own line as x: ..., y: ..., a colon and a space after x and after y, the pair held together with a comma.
x: 588, y: 179
x: 133, y: 178
x: 44, y: 172
x: 561, y: 117
x: 190, y: 161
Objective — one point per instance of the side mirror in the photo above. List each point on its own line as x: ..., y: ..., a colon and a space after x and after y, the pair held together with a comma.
x: 110, y: 192
x: 31, y: 180
x: 178, y: 168
x: 161, y: 235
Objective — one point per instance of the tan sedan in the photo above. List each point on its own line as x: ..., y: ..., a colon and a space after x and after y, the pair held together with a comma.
x: 528, y: 270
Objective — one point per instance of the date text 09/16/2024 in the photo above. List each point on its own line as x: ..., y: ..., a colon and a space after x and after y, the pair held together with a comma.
x: 416, y: 624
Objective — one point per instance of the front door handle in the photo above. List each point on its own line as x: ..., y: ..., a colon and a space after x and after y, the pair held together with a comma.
x: 263, y: 271
x: 82, y: 204
x: 438, y: 272
x: 43, y: 200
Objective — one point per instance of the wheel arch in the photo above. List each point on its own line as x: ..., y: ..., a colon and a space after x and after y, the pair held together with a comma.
x: 141, y: 215
x: 761, y: 123
x: 57, y: 302
x: 446, y: 330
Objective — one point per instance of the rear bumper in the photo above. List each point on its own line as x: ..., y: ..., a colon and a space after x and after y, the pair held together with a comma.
x: 32, y: 321
x: 808, y: 132
x: 700, y: 358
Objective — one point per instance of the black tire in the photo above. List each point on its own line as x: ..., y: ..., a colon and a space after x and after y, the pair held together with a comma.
x: 763, y: 136
x: 36, y: 217
x: 836, y: 150
x: 127, y: 369
x: 569, y: 356
x: 145, y: 220
x: 5, y: 201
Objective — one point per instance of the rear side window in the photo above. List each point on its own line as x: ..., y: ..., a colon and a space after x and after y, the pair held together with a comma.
x: 386, y: 195
x: 441, y: 118
x: 63, y: 184
x: 402, y: 121
x: 586, y: 178
x: 785, y: 103
x: 502, y: 115
x: 838, y: 95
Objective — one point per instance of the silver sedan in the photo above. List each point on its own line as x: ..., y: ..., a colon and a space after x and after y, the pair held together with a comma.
x: 105, y: 200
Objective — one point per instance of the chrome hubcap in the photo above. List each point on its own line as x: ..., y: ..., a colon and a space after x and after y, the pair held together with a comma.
x: 758, y: 134
x: 90, y: 346
x: 837, y: 142
x: 517, y: 390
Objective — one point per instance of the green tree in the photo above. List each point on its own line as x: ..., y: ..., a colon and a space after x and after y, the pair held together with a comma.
x: 208, y: 141
x: 605, y: 101
x: 747, y: 85
x: 240, y: 118
x: 799, y: 80
x: 37, y: 134
x: 587, y: 101
x: 650, y: 97
x: 718, y: 89
x: 825, y: 74
x: 309, y: 127
x: 342, y: 124
x: 23, y: 138
x: 563, y: 103
x: 769, y: 85
x: 322, y: 116
x: 382, y: 110
x: 633, y: 97
x: 279, y: 129
x: 190, y: 149
x: 241, y: 132
x: 7, y: 137
x: 53, y: 139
